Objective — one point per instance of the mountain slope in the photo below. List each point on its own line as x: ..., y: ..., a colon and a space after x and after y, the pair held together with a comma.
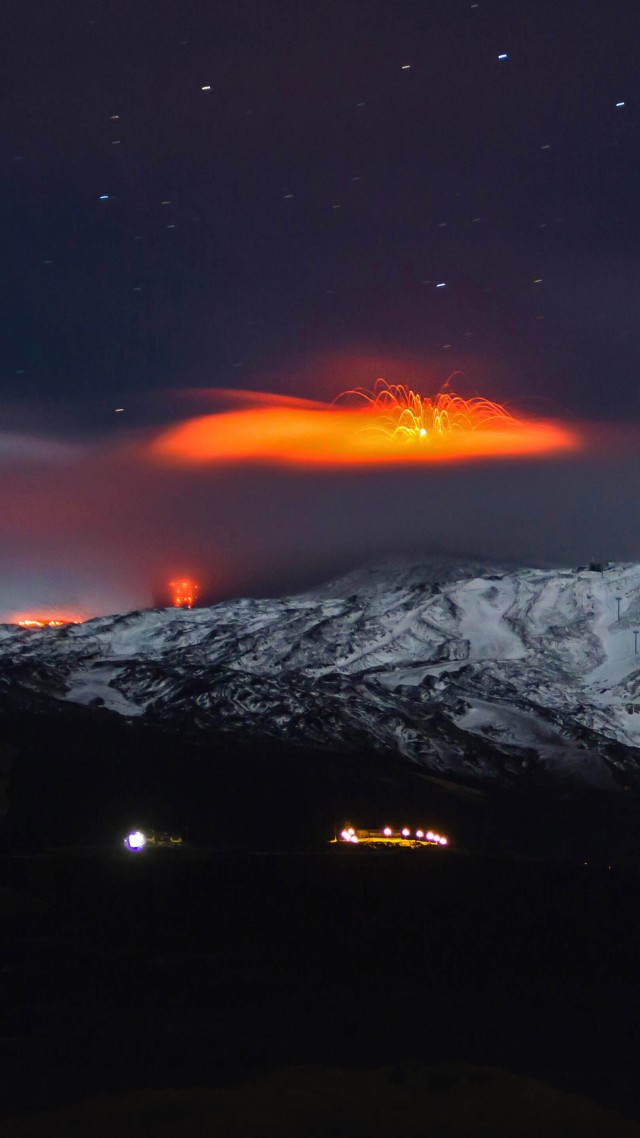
x: 484, y: 672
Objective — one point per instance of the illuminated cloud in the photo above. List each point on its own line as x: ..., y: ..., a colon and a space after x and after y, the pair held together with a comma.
x: 389, y: 425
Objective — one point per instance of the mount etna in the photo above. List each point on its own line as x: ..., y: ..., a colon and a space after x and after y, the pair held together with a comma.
x: 481, y: 672
x: 466, y: 680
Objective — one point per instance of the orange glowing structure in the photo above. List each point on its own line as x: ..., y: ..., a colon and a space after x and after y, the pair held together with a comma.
x: 43, y: 622
x: 390, y: 424
x: 184, y: 592
x: 387, y: 837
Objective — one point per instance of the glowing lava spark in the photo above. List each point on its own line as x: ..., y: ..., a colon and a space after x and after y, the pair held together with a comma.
x: 390, y: 424
x: 404, y: 417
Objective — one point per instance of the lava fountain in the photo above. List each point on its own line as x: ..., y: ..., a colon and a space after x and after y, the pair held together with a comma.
x: 184, y: 593
x: 401, y: 416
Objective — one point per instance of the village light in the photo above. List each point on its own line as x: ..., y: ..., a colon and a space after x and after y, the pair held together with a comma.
x: 135, y: 841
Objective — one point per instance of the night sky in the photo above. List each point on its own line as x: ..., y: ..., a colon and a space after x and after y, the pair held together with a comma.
x: 299, y: 198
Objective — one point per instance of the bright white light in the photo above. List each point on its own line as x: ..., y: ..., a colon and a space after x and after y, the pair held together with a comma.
x: 104, y: 197
x: 619, y: 104
x: 208, y: 88
x: 406, y: 67
x: 406, y: 833
x: 387, y: 831
x: 345, y: 835
x: 443, y: 841
x: 430, y: 836
x: 442, y: 284
x: 136, y: 840
x: 419, y: 833
x: 503, y: 56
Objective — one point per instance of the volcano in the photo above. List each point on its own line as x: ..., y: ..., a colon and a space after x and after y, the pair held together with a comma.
x: 488, y: 673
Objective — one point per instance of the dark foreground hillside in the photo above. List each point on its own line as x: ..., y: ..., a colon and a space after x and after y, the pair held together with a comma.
x: 418, y: 986
x: 259, y: 982
x: 83, y: 777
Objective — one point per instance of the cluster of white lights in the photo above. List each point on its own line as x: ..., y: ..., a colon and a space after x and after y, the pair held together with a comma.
x: 349, y: 835
x: 421, y: 835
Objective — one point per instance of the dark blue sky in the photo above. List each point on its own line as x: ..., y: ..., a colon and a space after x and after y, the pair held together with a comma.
x: 317, y: 194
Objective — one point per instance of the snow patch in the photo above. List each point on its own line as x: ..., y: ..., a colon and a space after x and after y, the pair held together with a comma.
x: 88, y: 685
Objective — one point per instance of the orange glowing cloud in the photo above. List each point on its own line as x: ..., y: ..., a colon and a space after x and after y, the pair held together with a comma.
x: 391, y: 424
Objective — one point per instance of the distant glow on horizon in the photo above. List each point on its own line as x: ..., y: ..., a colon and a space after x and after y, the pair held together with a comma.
x: 38, y: 620
x: 390, y: 424
x: 53, y: 623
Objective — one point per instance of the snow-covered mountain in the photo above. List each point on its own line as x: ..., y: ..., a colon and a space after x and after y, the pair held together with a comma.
x: 485, y: 672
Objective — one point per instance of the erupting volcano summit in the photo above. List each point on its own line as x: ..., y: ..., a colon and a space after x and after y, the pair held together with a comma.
x: 184, y: 593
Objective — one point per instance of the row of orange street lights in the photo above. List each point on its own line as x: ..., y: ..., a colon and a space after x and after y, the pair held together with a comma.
x: 387, y: 835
